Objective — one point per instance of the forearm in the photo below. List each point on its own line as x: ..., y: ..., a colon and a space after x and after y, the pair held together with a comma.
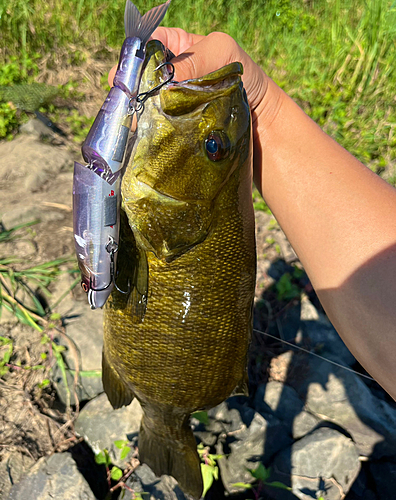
x: 339, y: 217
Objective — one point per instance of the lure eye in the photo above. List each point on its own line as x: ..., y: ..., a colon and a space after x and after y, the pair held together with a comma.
x: 217, y: 146
x: 85, y: 285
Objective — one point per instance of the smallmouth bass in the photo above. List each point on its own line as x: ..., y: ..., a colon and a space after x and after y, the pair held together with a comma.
x: 178, y: 340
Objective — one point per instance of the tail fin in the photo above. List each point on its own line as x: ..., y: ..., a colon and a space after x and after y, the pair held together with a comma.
x: 143, y: 26
x: 173, y: 452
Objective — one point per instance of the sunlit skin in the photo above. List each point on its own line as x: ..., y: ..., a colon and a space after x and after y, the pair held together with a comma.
x: 338, y: 215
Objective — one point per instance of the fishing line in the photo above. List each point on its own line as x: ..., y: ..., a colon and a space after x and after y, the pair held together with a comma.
x: 314, y: 354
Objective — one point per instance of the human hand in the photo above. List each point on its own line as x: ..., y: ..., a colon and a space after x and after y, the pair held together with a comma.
x: 198, y: 55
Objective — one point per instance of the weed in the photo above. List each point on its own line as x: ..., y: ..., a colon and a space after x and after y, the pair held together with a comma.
x: 259, y: 203
x: 261, y: 474
x: 209, y: 468
x: 336, y: 59
x: 21, y: 287
x: 286, y: 287
x: 116, y: 474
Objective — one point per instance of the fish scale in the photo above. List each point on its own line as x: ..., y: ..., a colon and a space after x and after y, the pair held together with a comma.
x: 179, y: 340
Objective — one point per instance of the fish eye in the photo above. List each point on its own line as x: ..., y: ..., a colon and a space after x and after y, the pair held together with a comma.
x: 217, y: 146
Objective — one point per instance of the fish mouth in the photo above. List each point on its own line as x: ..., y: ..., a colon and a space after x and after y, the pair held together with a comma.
x: 179, y: 98
x: 140, y: 188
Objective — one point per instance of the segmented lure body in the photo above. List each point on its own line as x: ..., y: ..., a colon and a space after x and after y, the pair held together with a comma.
x: 97, y: 185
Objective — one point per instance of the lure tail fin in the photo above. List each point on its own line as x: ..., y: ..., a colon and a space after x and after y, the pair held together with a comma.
x: 140, y: 26
x: 172, y: 451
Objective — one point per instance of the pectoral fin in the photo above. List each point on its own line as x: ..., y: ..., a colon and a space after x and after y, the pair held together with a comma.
x: 117, y: 392
x: 132, y: 279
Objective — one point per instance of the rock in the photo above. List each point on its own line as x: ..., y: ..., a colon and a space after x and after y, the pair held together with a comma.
x: 324, y: 463
x: 32, y: 162
x: 316, y: 328
x: 101, y: 425
x: 283, y: 402
x: 164, y: 488
x: 343, y: 398
x: 361, y: 487
x: 304, y: 423
x: 85, y: 329
x: 246, y: 437
x: 384, y: 475
x: 53, y: 477
x: 280, y: 400
x: 37, y: 129
x: 13, y: 467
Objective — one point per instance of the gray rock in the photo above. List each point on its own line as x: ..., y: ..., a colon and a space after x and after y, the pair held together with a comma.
x: 384, y: 474
x: 163, y: 488
x: 304, y: 423
x: 278, y: 399
x: 283, y: 402
x: 26, y: 159
x: 246, y: 438
x: 101, y: 425
x: 53, y: 477
x: 324, y: 463
x: 343, y: 398
x: 37, y: 129
x: 316, y: 328
x: 89, y: 385
x: 13, y: 467
x: 85, y: 329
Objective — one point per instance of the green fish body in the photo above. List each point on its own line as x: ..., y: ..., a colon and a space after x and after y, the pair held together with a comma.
x: 178, y: 341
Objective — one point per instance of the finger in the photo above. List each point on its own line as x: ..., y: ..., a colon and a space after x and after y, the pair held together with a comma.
x: 112, y: 73
x: 176, y: 39
x: 198, y: 59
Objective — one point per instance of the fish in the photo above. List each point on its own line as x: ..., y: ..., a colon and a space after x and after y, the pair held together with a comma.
x: 97, y: 185
x: 178, y: 342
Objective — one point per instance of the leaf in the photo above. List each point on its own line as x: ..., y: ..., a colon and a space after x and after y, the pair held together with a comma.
x: 116, y: 473
x: 278, y: 484
x: 103, y: 458
x: 120, y: 443
x: 243, y: 485
x: 100, y: 458
x: 201, y: 416
x: 124, y: 452
x: 207, y: 476
x: 39, y: 308
x: 44, y: 383
x: 260, y: 473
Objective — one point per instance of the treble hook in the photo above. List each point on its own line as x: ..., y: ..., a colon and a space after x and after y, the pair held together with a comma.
x: 142, y: 98
x: 112, y: 248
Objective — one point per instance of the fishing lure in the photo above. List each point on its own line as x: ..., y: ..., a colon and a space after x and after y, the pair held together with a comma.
x: 97, y: 185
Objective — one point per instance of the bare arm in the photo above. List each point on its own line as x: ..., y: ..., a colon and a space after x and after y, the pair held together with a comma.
x: 338, y: 215
x: 341, y: 220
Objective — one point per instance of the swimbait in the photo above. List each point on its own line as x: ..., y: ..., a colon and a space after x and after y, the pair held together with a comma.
x: 97, y: 185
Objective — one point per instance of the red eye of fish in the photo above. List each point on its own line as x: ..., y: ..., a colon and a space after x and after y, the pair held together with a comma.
x: 216, y: 146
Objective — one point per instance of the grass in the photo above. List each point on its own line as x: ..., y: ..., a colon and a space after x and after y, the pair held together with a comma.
x: 335, y: 58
